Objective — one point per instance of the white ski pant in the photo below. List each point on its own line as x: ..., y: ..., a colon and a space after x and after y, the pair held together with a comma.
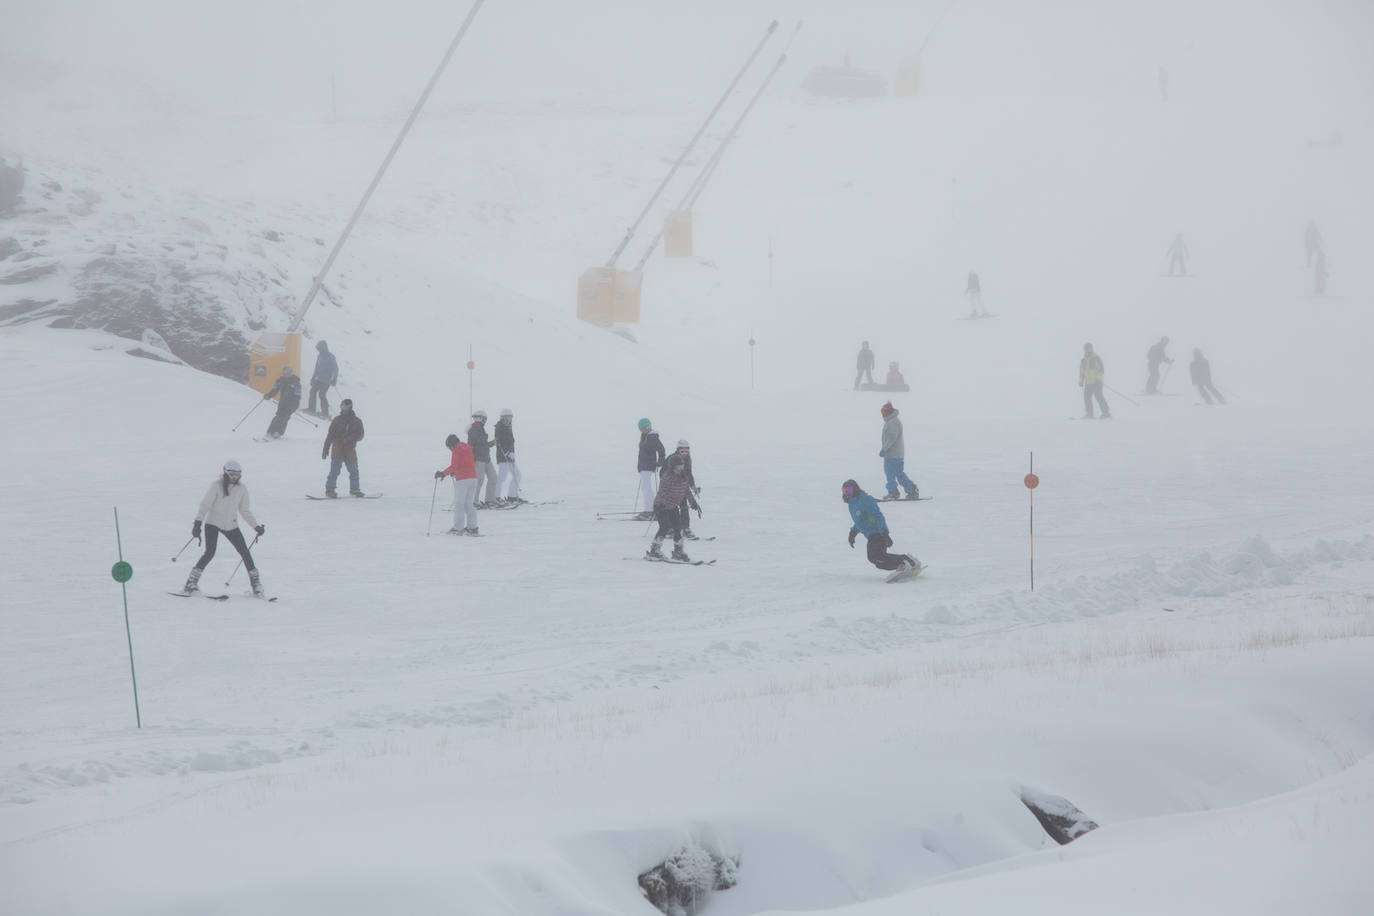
x: 647, y: 491
x: 465, y: 503
x: 487, y: 473
x: 506, y: 469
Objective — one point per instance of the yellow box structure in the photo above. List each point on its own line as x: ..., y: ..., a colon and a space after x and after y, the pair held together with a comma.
x: 677, y: 234
x: 596, y: 296
x: 627, y: 284
x: 270, y: 352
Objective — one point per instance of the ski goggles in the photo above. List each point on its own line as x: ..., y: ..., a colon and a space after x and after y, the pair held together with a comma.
x: 848, y: 490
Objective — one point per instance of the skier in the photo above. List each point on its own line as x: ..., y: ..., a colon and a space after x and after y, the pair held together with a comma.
x: 1178, y: 255
x: 345, y: 432
x: 1201, y: 372
x: 289, y: 385
x: 463, y: 468
x: 684, y: 448
x: 673, y: 490
x: 650, y: 458
x: 1319, y: 275
x: 505, y: 460
x: 894, y: 375
x: 326, y: 375
x: 1091, y: 374
x: 893, y: 453
x: 1312, y: 239
x: 481, y: 453
x: 1153, y: 358
x: 224, y: 502
x: 865, y: 364
x: 974, y: 292
x: 868, y: 521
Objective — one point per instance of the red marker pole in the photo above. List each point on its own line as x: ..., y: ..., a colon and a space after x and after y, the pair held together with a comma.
x: 471, y: 366
x: 1032, y: 482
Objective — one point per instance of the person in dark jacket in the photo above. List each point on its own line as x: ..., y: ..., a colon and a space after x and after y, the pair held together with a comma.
x: 868, y: 520
x: 341, y: 444
x: 505, y: 459
x: 865, y: 364
x: 289, y: 387
x: 673, y: 490
x: 684, y: 448
x: 1201, y: 372
x: 326, y: 375
x: 480, y: 444
x: 1153, y: 359
x: 650, y: 459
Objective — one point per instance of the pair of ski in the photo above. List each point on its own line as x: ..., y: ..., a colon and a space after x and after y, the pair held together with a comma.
x: 211, y: 597
x: 674, y: 562
x: 524, y: 502
x: 904, y: 499
x: 339, y: 499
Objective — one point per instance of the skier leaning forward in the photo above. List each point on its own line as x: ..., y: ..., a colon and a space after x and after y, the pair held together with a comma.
x: 868, y: 521
x: 224, y: 502
x: 673, y: 489
x: 463, y: 468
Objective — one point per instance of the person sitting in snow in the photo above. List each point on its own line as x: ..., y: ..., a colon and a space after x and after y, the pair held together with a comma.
x: 894, y: 375
x: 868, y: 520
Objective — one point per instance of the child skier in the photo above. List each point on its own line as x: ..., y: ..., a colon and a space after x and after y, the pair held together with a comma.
x: 463, y: 468
x: 505, y: 459
x: 650, y: 459
x: 869, y: 521
x: 673, y: 488
x: 224, y: 502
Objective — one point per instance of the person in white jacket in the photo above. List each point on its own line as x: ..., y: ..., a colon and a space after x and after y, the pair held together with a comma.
x: 224, y: 502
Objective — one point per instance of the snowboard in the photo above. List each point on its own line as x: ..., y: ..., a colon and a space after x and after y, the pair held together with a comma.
x: 339, y: 499
x: 906, y: 575
x: 976, y: 317
x: 674, y: 562
x: 213, y: 597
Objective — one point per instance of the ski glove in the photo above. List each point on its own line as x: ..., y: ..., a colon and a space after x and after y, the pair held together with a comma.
x: 698, y: 511
x: 260, y: 529
x: 882, y: 453
x: 195, y: 529
x: 853, y: 533
x: 324, y: 453
x: 267, y: 397
x: 438, y: 475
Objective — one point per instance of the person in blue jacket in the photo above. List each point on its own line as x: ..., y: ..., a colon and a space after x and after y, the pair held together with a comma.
x: 869, y: 521
x: 326, y: 375
x: 289, y: 386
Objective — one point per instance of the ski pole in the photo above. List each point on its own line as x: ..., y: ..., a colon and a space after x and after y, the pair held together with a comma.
x: 1119, y: 394
x: 430, y: 523
x: 183, y: 547
x: 247, y: 415
x: 1167, y: 369
x: 298, y: 416
x: 240, y: 563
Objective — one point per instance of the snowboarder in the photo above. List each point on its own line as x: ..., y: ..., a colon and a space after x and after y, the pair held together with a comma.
x: 684, y: 448
x: 1319, y: 275
x: 868, y: 521
x: 345, y: 432
x: 673, y: 490
x: 463, y: 468
x: 326, y: 375
x: 893, y: 453
x: 289, y: 386
x: 480, y: 443
x: 650, y: 458
x: 1091, y: 374
x: 223, y: 503
x: 1312, y: 239
x: 1153, y: 359
x: 1178, y: 256
x: 505, y: 459
x: 1201, y: 372
x: 974, y: 292
x: 894, y: 375
x: 865, y: 364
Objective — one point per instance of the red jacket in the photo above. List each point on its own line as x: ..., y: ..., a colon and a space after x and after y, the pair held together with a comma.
x: 463, y: 466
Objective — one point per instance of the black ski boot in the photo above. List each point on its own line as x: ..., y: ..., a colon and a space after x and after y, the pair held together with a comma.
x: 655, y: 551
x: 680, y: 554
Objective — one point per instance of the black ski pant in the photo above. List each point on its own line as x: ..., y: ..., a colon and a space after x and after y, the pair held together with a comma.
x: 1152, y: 383
x: 868, y: 371
x: 670, y: 523
x: 1091, y: 391
x: 233, y: 536
x: 877, y: 551
x: 1204, y: 387
x: 285, y: 408
x: 320, y: 390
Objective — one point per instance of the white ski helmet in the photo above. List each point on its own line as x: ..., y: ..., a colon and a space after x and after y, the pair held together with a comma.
x: 232, y: 467
x: 507, y: 412
x: 683, y: 443
x: 480, y: 415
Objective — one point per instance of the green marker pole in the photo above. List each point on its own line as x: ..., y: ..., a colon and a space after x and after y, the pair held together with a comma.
x: 122, y: 572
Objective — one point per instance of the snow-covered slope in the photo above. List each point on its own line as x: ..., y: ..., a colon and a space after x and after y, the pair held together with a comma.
x: 526, y: 722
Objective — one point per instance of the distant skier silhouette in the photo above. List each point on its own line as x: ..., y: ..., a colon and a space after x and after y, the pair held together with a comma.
x: 974, y: 292
x: 1201, y: 372
x: 1312, y: 240
x: 1178, y: 256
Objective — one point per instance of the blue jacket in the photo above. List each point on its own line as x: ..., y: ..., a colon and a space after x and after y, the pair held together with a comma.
x: 868, y: 518
x: 289, y: 386
x: 326, y: 366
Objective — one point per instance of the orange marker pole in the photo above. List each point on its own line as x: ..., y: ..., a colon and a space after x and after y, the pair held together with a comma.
x: 471, y: 366
x: 1032, y: 482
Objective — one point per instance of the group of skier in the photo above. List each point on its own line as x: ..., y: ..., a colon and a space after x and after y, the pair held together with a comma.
x: 1199, y: 371
x: 470, y: 466
x: 668, y: 490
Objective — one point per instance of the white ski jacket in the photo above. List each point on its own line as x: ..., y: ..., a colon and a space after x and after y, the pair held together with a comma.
x: 223, y: 511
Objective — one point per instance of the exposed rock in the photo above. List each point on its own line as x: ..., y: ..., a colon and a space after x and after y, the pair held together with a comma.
x: 1060, y: 817
x: 11, y: 184
x: 682, y: 884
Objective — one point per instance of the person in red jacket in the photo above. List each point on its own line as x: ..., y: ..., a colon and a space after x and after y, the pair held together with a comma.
x: 463, y: 469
